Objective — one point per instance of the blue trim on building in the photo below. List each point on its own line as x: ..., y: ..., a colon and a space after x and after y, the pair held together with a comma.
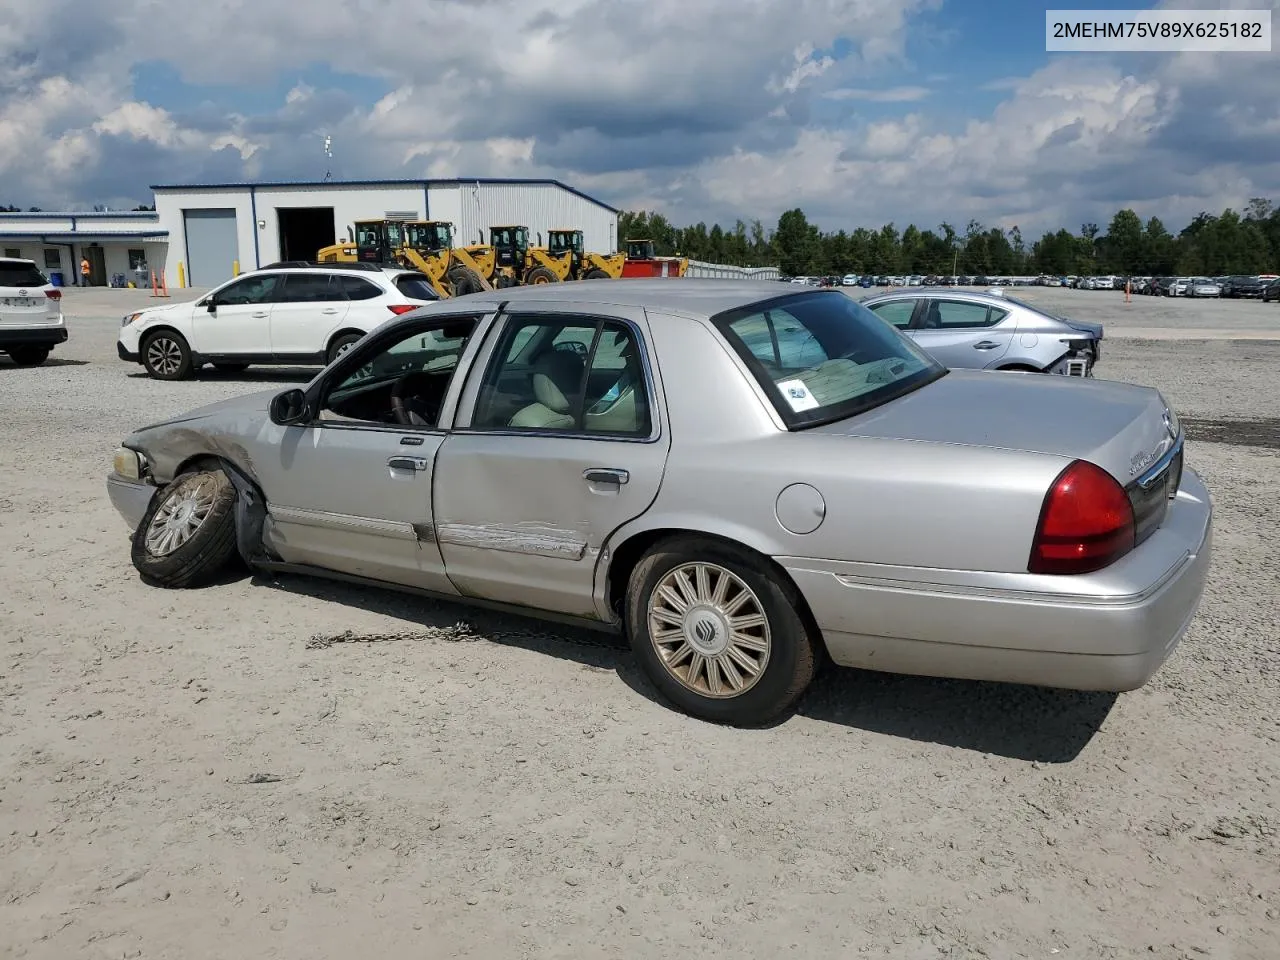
x: 253, y: 211
x: 65, y: 236
x: 81, y: 214
x: 426, y: 184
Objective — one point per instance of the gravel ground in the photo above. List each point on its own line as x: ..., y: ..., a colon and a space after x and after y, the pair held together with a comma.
x: 191, y: 775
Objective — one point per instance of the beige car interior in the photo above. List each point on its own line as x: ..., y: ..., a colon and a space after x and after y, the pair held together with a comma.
x: 557, y: 378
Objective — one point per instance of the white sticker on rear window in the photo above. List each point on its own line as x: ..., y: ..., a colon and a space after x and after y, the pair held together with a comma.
x: 797, y: 395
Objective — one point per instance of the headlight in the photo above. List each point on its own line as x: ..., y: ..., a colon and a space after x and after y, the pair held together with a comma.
x: 129, y: 463
x: 129, y: 319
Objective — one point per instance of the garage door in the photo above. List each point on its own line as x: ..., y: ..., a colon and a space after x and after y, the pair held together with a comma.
x: 212, y: 245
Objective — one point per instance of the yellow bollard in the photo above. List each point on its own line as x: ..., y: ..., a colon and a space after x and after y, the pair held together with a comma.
x: 235, y: 268
x: 182, y: 277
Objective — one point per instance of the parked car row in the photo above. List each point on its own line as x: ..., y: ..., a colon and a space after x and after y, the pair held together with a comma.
x: 1255, y: 287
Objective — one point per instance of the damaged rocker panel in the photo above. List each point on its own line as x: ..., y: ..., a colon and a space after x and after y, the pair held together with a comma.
x: 396, y: 529
x: 536, y: 540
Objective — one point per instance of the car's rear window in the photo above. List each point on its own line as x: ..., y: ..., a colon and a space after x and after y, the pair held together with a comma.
x: 416, y: 286
x: 21, y: 275
x: 822, y: 356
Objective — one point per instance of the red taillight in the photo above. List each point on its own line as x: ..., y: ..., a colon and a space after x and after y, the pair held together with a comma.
x: 399, y: 308
x: 53, y: 294
x: 1086, y: 522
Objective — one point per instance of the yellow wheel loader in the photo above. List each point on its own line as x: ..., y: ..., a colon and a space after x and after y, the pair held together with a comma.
x: 522, y: 264
x: 583, y: 265
x: 423, y: 245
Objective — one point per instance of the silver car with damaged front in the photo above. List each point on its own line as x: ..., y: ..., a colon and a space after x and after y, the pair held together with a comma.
x: 738, y: 479
x: 987, y: 331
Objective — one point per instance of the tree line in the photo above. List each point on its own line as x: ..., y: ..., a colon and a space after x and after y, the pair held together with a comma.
x: 1227, y: 244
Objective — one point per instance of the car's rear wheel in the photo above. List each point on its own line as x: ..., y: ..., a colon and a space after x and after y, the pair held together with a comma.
x: 166, y: 356
x: 718, y: 632
x: 188, y: 533
x: 342, y: 344
x: 27, y: 356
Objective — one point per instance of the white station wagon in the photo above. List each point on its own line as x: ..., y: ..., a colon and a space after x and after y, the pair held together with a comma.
x: 293, y: 313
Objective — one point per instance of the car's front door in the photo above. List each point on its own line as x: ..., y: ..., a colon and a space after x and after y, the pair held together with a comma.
x: 307, y: 309
x: 350, y: 490
x: 560, y: 439
x: 240, y: 319
x: 962, y: 333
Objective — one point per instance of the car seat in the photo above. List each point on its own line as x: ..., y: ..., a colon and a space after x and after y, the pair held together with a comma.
x: 557, y: 378
x: 620, y: 410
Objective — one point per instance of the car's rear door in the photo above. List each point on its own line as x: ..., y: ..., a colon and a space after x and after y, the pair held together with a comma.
x: 561, y: 438
x: 309, y: 307
x: 962, y: 333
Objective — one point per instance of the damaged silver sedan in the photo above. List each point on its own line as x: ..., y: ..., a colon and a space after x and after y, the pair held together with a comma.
x: 744, y: 483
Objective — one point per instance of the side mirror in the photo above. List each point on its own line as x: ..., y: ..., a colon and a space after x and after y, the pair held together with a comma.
x: 288, y: 408
x: 211, y: 305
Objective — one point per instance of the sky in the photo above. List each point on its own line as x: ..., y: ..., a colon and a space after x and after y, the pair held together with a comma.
x: 860, y: 112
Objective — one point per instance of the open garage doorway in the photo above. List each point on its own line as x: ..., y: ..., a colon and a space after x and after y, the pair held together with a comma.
x: 304, y: 231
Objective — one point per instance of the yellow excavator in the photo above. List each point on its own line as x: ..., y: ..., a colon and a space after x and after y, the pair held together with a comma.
x: 423, y: 245
x: 583, y: 265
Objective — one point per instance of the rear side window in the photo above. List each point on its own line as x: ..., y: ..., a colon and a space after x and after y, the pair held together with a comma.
x: 310, y: 288
x: 356, y: 288
x: 416, y: 286
x: 21, y: 275
x: 960, y: 315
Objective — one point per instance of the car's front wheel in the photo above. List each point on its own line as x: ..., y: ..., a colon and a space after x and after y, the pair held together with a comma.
x: 718, y: 632
x: 26, y: 356
x: 188, y: 533
x: 166, y: 355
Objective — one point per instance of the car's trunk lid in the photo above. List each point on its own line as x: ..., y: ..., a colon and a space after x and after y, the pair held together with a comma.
x: 1118, y: 426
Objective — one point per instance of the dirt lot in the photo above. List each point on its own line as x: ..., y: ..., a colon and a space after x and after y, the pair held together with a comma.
x: 191, y: 775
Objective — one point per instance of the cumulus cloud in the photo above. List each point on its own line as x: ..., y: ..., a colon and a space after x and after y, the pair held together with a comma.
x: 700, y: 110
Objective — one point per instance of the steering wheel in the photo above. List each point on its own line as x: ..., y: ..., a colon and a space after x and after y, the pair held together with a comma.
x: 412, y: 399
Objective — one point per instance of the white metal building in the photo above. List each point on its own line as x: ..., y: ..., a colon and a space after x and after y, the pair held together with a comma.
x: 216, y: 228
x: 201, y: 234
x: 115, y: 244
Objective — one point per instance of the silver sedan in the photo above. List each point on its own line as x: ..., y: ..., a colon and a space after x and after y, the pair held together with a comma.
x: 984, y: 331
x: 742, y: 481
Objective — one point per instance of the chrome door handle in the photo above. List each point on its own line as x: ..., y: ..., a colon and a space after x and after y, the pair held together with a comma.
x: 408, y: 463
x: 605, y: 475
x: 330, y: 310
x: 259, y: 315
x: 986, y: 345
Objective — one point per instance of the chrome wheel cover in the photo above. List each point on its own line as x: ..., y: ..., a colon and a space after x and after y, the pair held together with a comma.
x: 709, y: 630
x: 182, y: 513
x: 164, y: 355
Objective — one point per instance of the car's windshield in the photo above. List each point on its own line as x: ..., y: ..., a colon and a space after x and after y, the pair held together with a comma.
x: 822, y: 356
x: 18, y: 274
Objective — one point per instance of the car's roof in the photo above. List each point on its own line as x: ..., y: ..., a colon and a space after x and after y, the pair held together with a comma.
x: 22, y: 260
x: 694, y: 296
x: 944, y: 293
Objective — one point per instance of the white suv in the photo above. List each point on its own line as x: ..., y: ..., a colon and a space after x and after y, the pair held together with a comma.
x: 31, y: 320
x: 297, y: 313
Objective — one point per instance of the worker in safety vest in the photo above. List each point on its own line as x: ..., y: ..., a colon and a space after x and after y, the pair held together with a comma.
x: 85, y: 270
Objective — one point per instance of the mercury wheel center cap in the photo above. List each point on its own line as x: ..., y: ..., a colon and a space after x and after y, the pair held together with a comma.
x: 706, y: 631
